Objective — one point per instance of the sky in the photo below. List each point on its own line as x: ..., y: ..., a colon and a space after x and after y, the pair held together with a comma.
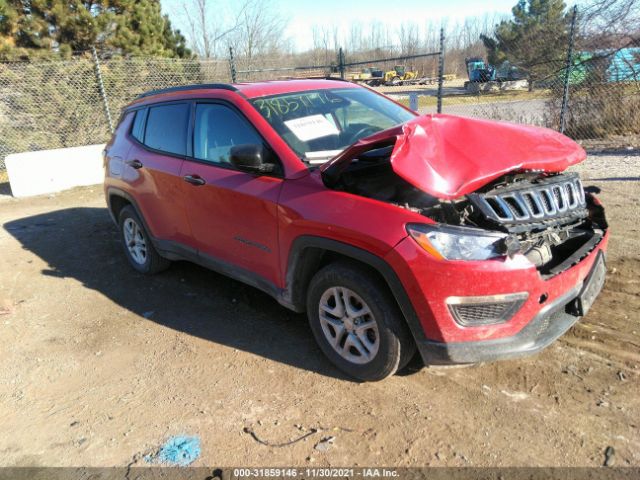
x: 304, y: 14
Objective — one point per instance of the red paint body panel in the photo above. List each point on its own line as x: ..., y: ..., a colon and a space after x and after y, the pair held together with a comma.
x: 159, y: 192
x: 307, y: 207
x: 429, y: 282
x: 252, y: 221
x: 157, y: 186
x: 448, y: 156
x: 231, y: 209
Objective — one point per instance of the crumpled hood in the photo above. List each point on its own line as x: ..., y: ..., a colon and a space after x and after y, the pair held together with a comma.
x: 448, y: 156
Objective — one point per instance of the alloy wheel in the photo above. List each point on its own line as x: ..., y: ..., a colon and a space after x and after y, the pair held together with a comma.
x: 349, y: 325
x: 134, y: 241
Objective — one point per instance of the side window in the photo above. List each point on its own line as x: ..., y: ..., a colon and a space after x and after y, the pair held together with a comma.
x: 137, y: 130
x: 217, y: 129
x: 167, y: 128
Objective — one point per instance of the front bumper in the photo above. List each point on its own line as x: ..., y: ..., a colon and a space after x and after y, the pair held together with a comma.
x: 546, y: 327
x: 536, y: 325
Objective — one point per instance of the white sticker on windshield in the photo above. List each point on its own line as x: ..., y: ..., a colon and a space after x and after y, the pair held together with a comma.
x: 312, y: 127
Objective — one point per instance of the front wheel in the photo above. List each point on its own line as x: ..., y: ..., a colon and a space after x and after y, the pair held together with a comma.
x: 357, y: 323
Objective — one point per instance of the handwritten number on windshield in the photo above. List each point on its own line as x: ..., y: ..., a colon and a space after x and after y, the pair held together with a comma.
x: 286, y: 105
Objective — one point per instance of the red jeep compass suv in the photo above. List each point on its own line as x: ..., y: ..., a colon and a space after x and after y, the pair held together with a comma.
x: 458, y: 237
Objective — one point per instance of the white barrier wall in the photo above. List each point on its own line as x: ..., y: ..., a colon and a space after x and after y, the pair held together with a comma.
x: 48, y: 171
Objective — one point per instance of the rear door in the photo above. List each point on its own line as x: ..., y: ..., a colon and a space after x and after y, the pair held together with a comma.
x: 159, y: 134
x: 233, y: 214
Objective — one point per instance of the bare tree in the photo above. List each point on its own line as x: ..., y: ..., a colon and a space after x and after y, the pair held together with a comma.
x: 208, y: 27
x: 260, y: 31
x: 609, y: 24
x: 431, y: 36
x: 612, y: 16
x: 409, y: 38
x: 378, y: 37
x: 354, y: 38
x: 325, y: 43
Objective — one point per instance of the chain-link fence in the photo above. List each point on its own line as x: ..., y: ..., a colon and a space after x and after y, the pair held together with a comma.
x: 57, y: 104
x: 246, y: 68
x: 597, y: 96
x: 397, y: 71
x: 593, y: 93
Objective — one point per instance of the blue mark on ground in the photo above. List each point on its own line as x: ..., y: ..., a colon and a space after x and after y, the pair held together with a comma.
x: 180, y: 451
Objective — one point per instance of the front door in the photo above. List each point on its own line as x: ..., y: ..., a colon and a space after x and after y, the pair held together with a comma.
x: 233, y: 214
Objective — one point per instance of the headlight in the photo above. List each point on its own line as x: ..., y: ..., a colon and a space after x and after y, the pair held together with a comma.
x: 458, y: 243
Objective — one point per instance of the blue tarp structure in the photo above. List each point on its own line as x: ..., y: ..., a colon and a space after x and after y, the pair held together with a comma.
x: 621, y: 66
x: 624, y: 66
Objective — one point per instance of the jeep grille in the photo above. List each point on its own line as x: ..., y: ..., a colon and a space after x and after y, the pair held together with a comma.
x: 554, y: 198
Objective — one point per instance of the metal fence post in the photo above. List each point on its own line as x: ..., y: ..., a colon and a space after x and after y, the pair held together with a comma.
x: 567, y: 71
x: 341, y: 63
x: 103, y: 94
x: 413, y: 101
x: 440, y: 70
x: 232, y: 65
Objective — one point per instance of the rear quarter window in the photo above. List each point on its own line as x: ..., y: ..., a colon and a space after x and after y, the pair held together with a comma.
x: 166, y: 128
x: 137, y: 130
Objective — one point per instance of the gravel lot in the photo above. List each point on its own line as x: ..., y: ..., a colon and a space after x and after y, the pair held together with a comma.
x: 99, y: 365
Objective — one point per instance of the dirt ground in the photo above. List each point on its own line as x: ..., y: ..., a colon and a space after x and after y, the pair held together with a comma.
x: 100, y: 365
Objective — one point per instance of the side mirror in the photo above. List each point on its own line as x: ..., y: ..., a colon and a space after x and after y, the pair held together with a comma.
x: 251, y: 158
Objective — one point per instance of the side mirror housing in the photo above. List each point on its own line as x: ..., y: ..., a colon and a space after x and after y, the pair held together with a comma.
x: 251, y: 158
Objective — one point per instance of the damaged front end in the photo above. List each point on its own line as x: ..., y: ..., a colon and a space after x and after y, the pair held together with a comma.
x: 492, y: 189
x: 549, y: 218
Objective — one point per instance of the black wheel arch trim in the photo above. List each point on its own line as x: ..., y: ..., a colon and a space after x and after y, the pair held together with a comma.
x: 117, y: 192
x: 301, y: 266
x: 157, y: 243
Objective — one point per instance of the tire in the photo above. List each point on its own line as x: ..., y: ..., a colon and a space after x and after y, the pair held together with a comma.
x: 388, y: 345
x: 142, y: 256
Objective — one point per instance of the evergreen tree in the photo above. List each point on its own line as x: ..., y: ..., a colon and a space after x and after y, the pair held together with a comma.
x: 535, y: 38
x: 35, y: 28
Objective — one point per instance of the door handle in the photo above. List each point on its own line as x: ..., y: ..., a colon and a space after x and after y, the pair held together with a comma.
x: 194, y: 180
x: 135, y: 164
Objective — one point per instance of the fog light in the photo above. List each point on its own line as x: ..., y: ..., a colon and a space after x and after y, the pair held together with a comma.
x: 485, y: 310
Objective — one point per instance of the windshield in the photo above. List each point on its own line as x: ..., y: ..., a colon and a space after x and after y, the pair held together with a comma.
x: 319, y: 124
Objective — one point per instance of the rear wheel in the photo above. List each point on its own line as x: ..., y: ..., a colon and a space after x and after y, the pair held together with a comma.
x: 357, y: 323
x: 137, y: 245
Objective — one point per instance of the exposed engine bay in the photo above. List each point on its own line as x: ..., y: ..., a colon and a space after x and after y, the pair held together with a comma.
x: 548, y: 217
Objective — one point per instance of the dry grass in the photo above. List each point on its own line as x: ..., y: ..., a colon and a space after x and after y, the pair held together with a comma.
x: 482, y: 98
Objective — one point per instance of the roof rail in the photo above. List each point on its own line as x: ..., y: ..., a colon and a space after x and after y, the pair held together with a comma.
x: 199, y: 86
